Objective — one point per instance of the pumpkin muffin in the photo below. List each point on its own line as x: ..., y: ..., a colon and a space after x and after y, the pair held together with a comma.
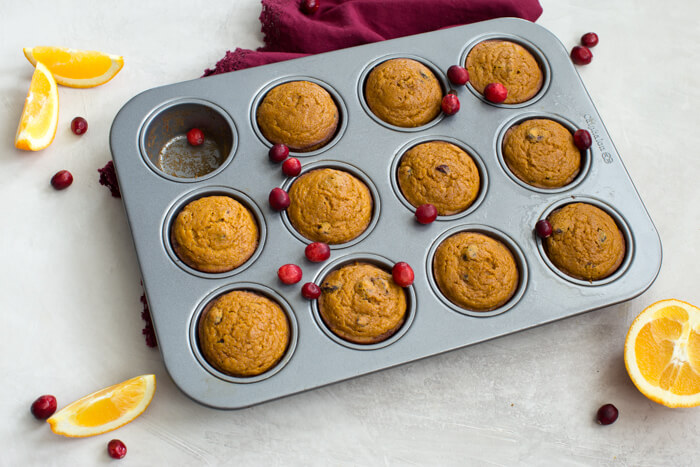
x: 439, y: 173
x: 403, y: 92
x: 243, y: 334
x: 214, y: 234
x: 508, y: 63
x: 330, y: 206
x: 542, y: 153
x: 586, y: 243
x: 300, y: 114
x: 361, y: 303
x: 475, y: 271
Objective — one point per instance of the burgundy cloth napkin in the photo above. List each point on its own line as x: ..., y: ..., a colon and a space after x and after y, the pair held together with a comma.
x: 289, y: 33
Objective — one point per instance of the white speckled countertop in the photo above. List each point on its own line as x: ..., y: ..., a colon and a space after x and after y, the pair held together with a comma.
x: 70, y: 280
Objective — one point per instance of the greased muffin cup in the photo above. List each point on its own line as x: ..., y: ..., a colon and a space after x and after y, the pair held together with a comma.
x: 364, y: 155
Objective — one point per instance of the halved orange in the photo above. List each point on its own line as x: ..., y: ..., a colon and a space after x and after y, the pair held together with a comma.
x: 106, y: 409
x: 76, y: 68
x: 37, y: 126
x: 662, y: 353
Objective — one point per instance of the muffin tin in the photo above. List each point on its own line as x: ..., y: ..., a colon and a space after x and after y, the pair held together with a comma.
x: 224, y: 107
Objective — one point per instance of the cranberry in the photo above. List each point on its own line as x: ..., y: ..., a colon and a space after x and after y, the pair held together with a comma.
x: 402, y: 274
x: 457, y: 75
x: 450, y: 104
x: 310, y: 291
x: 310, y: 6
x: 291, y: 167
x: 61, y: 180
x: 278, y: 152
x: 582, y: 139
x: 78, y: 125
x: 116, y: 449
x: 195, y: 137
x: 279, y: 199
x: 590, y: 39
x: 289, y: 274
x: 317, y: 252
x: 495, y: 92
x: 426, y: 213
x: 44, y: 407
x: 543, y: 228
x: 607, y: 414
x: 581, y: 55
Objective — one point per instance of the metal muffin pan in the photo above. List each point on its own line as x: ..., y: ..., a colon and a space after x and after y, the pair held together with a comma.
x: 505, y: 209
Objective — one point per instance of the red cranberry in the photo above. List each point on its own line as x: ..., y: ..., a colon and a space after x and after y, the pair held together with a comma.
x: 582, y: 139
x: 426, y: 213
x: 543, y: 228
x: 495, y: 92
x: 61, y: 180
x: 310, y: 6
x: 450, y: 104
x: 116, y: 449
x: 289, y: 274
x: 279, y: 199
x: 310, y: 291
x: 278, y: 152
x: 44, y: 407
x: 457, y: 75
x: 317, y: 252
x: 78, y: 125
x: 590, y: 39
x: 402, y: 274
x: 607, y: 414
x: 195, y: 137
x: 291, y: 167
x: 581, y: 55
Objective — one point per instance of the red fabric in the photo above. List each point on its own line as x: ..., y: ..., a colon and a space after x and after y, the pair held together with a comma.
x: 338, y: 24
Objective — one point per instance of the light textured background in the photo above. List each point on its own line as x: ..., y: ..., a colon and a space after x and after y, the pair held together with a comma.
x: 70, y: 290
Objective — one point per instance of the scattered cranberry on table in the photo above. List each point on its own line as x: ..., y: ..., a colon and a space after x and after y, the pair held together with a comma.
x: 278, y: 152
x: 426, y: 213
x: 590, y: 39
x: 495, y: 92
x: 310, y: 291
x: 195, y: 137
x: 44, y: 407
x: 310, y: 6
x: 607, y: 414
x: 289, y: 274
x: 279, y: 199
x: 543, y: 228
x: 61, y: 180
x: 116, y: 449
x: 458, y: 75
x: 581, y: 55
x: 582, y: 139
x: 78, y: 125
x: 450, y: 104
x: 402, y: 273
x: 317, y: 252
x: 291, y: 167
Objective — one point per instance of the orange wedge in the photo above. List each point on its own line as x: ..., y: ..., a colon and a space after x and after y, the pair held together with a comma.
x: 76, y: 68
x: 105, y: 410
x: 662, y: 353
x: 37, y: 126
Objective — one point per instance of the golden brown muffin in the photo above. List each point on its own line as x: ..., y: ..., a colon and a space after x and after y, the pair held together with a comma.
x: 329, y: 205
x: 508, y: 63
x: 441, y: 174
x: 214, y: 234
x: 542, y: 153
x: 475, y: 271
x: 300, y: 114
x: 586, y: 243
x: 243, y: 334
x: 403, y: 92
x: 361, y: 303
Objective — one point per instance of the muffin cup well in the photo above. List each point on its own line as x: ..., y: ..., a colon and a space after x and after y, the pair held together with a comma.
x: 249, y: 287
x: 621, y: 224
x: 165, y: 149
x: 382, y: 263
x: 515, y: 250
x: 242, y: 198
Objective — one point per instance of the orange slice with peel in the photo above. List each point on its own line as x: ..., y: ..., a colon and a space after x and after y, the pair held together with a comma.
x: 662, y: 353
x: 76, y: 68
x: 106, y: 409
x: 37, y: 125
